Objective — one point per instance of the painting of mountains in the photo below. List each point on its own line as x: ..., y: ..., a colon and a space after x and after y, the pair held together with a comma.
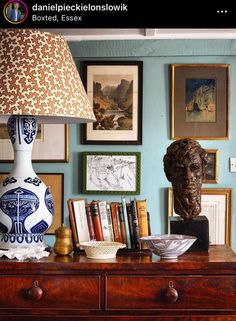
x: 113, y: 102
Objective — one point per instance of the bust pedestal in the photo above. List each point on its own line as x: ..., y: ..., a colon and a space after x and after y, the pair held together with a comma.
x: 199, y: 227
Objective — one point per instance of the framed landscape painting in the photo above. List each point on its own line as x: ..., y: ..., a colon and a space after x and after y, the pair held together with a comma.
x: 200, y: 101
x: 216, y: 205
x: 114, y: 89
x: 111, y: 173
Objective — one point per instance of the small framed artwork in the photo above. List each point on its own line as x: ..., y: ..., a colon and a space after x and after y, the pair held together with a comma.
x: 114, y: 89
x: 216, y: 206
x: 111, y: 173
x: 212, y: 169
x: 200, y: 101
x: 56, y: 184
x: 48, y: 146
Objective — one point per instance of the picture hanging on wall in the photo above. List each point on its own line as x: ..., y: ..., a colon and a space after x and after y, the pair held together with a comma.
x: 200, y: 99
x: 212, y: 169
x: 111, y: 173
x: 216, y: 206
x: 114, y: 89
x: 48, y: 147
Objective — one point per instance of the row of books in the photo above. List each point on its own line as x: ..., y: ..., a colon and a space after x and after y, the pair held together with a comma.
x: 102, y: 221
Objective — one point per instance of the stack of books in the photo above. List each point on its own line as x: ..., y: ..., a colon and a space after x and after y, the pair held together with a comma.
x: 102, y: 221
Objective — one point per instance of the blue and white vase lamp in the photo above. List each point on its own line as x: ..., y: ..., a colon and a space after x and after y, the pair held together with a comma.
x: 26, y: 204
x: 38, y: 80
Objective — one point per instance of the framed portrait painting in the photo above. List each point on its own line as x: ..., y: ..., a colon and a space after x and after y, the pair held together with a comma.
x: 212, y: 169
x: 111, y: 173
x: 56, y: 184
x: 51, y: 144
x: 216, y: 206
x: 200, y: 99
x: 114, y: 89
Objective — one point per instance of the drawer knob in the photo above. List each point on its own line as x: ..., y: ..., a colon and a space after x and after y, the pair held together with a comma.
x: 171, y: 294
x: 35, y: 293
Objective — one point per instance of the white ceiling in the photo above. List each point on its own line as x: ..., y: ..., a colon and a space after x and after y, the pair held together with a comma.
x: 80, y: 34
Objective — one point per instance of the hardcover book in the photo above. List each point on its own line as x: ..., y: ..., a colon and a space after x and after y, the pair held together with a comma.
x: 96, y: 221
x: 102, y: 206
x: 81, y: 220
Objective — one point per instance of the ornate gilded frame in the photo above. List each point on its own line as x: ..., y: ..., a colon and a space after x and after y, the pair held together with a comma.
x: 190, y: 96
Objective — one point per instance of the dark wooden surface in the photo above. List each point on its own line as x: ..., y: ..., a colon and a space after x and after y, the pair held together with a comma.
x: 133, y: 286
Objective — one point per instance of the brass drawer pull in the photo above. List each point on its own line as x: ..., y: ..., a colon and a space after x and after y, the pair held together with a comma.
x: 35, y: 293
x: 171, y: 294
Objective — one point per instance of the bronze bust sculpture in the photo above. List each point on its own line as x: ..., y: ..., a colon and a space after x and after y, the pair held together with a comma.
x: 184, y: 165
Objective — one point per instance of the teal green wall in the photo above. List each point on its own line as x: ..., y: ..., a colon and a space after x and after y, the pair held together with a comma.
x: 157, y: 55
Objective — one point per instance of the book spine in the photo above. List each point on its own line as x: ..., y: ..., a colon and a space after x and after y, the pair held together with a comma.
x: 149, y: 224
x: 126, y: 222
x: 81, y: 220
x: 102, y: 205
x: 135, y: 225
x: 120, y: 238
x: 122, y: 224
x: 115, y: 221
x: 110, y: 226
x: 72, y: 224
x: 131, y: 230
x: 96, y: 221
x: 90, y: 223
x: 142, y: 217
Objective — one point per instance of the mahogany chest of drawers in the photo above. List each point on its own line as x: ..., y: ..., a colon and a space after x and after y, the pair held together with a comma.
x: 134, y: 287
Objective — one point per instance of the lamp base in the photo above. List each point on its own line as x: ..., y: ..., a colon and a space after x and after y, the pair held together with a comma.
x: 13, y: 240
x: 26, y: 204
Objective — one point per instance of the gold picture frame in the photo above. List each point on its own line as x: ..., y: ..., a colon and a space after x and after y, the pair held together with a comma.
x: 56, y: 184
x: 200, y: 101
x: 212, y: 170
x: 217, y: 207
x: 51, y: 144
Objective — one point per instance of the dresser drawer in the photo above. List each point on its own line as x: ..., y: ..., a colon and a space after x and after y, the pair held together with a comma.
x: 60, y: 292
x: 150, y: 292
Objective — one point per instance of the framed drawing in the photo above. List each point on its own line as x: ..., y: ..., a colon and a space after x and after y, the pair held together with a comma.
x: 111, y: 173
x: 216, y: 206
x: 114, y: 89
x: 48, y: 147
x: 56, y: 184
x: 212, y: 176
x: 200, y: 98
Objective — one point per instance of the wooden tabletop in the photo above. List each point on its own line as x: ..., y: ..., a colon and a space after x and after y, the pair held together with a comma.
x: 219, y: 259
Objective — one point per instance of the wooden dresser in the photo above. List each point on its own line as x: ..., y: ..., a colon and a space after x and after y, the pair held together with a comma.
x: 132, y: 287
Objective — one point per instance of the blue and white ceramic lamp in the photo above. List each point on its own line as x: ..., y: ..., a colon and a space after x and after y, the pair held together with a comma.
x: 26, y: 204
x: 39, y: 80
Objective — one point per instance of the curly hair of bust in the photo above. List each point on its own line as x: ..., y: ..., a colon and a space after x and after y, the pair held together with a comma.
x: 181, y: 149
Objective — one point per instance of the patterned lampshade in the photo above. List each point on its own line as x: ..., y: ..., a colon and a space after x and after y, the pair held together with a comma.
x: 38, y: 77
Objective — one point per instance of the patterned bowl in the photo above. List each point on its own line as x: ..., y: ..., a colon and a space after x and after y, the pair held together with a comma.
x: 101, y: 249
x: 169, y: 246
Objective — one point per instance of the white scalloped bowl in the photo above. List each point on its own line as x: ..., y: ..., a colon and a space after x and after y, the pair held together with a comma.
x: 101, y: 249
x: 169, y: 246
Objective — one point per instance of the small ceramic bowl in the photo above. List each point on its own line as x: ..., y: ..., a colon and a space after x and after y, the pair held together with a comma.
x: 169, y: 246
x: 101, y: 249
